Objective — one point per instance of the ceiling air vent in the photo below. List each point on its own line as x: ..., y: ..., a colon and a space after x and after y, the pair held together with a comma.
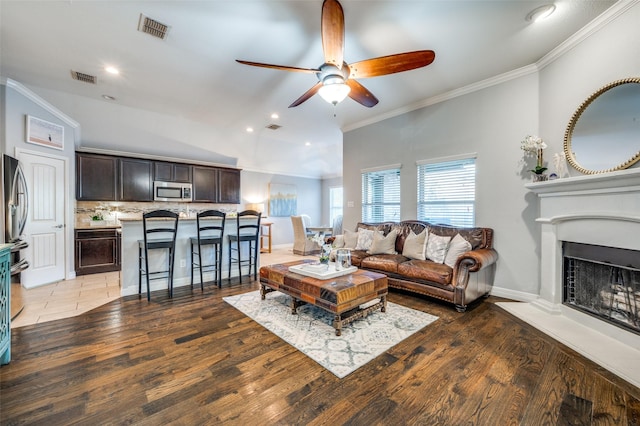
x: 273, y: 126
x: 153, y: 27
x: 87, y: 78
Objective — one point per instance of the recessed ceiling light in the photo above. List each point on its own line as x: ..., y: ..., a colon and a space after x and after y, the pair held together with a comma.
x: 249, y: 129
x: 112, y: 70
x: 109, y: 97
x: 307, y: 143
x: 275, y: 115
x: 540, y: 13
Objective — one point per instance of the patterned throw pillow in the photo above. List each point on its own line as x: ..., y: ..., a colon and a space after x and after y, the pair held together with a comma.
x: 350, y: 239
x: 414, y: 245
x: 365, y: 239
x: 437, y: 247
x: 384, y: 245
x: 457, y: 246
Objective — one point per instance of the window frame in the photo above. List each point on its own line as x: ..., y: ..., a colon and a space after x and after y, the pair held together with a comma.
x: 456, y: 195
x: 333, y: 210
x: 375, y: 205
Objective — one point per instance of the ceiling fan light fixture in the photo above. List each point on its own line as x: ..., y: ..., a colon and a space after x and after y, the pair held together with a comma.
x: 334, y: 90
x: 541, y: 13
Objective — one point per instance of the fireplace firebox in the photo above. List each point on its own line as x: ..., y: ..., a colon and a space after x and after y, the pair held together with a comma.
x: 603, y: 282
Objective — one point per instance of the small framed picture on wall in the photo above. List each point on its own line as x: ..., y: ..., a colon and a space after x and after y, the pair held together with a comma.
x: 45, y: 133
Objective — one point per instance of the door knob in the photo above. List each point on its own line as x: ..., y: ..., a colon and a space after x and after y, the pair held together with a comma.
x: 59, y: 226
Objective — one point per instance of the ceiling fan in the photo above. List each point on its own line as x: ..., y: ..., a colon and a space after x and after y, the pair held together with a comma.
x: 336, y: 77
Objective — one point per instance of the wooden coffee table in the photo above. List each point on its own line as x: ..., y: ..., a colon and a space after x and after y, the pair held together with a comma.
x: 343, y: 296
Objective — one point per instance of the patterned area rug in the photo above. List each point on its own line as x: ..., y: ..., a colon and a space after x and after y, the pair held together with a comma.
x: 311, y: 331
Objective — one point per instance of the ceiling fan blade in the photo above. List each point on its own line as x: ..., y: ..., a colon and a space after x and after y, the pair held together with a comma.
x: 361, y: 94
x: 308, y: 94
x: 279, y: 67
x: 391, y: 64
x: 333, y: 33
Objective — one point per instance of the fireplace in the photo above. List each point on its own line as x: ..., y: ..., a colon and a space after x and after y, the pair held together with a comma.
x: 603, y: 282
x: 588, y: 229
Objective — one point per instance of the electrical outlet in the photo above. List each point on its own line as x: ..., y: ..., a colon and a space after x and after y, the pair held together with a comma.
x: 183, y: 263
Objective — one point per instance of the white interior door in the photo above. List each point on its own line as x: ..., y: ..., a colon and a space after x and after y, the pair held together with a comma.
x: 45, y: 228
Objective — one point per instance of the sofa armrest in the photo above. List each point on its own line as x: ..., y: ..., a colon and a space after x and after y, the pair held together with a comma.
x: 474, y: 260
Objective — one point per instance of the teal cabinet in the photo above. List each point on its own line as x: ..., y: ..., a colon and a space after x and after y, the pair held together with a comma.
x: 5, y: 304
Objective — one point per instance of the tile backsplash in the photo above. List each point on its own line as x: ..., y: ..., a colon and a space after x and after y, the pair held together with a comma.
x: 112, y: 211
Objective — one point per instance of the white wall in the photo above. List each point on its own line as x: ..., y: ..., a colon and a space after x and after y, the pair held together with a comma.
x: 16, y: 107
x: 612, y: 53
x: 492, y: 122
x: 255, y: 188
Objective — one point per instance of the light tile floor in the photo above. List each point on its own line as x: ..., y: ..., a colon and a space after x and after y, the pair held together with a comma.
x: 73, y: 297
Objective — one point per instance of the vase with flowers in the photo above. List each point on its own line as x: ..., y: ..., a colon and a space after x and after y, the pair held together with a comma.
x: 325, y: 249
x: 533, y: 145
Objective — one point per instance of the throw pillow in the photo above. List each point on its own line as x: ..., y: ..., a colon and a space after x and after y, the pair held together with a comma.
x: 338, y: 241
x: 365, y: 239
x: 457, y: 246
x: 384, y: 245
x: 437, y: 247
x: 350, y: 239
x: 414, y: 245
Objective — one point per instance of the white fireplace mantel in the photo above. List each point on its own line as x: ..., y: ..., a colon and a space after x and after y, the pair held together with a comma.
x: 601, y: 209
x: 605, y: 182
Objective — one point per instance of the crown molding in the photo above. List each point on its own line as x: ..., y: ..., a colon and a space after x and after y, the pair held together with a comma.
x: 616, y: 10
x: 474, y: 87
x: 604, y: 19
x: 27, y: 93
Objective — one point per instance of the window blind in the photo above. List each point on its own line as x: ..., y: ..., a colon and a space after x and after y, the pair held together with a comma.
x: 335, y: 203
x: 447, y: 192
x: 381, y: 195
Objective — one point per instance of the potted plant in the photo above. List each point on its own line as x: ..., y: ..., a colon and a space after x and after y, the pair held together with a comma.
x: 533, y: 145
x: 325, y: 249
x: 97, y: 219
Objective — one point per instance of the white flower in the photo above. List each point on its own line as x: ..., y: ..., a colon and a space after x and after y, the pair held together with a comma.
x: 319, y: 239
x: 532, y: 144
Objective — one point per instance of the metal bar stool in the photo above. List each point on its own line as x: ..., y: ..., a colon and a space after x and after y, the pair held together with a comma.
x: 248, y: 230
x: 210, y: 232
x: 170, y: 227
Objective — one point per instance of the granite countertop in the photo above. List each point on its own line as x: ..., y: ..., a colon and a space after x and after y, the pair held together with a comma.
x: 88, y: 225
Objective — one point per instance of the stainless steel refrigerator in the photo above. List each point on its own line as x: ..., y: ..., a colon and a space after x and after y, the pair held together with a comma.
x: 16, y: 211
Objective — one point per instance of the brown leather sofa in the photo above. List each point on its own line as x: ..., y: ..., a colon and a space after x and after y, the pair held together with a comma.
x: 470, y: 278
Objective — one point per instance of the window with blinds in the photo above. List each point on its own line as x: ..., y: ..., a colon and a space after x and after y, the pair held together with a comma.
x: 381, y: 195
x: 447, y: 192
x: 335, y: 203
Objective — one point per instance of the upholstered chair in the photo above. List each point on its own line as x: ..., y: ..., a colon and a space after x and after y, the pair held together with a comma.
x: 302, y: 245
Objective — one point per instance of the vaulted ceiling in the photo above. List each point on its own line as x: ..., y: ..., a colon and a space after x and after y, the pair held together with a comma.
x: 193, y: 74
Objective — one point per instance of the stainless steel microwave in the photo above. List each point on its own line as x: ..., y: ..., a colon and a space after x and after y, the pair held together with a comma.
x: 171, y: 191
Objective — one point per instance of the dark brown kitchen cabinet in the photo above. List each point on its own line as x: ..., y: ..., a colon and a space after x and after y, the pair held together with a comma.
x: 229, y: 189
x: 101, y: 177
x: 96, y: 177
x: 136, y: 183
x: 205, y: 184
x: 97, y: 250
x: 171, y: 172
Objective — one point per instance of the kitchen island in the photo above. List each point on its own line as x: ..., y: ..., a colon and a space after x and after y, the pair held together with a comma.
x: 187, y: 228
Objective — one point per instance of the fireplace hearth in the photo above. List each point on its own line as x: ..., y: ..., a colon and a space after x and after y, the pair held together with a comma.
x: 603, y: 282
x: 593, y: 210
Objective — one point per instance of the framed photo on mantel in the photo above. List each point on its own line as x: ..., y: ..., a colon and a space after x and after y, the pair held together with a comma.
x: 44, y: 133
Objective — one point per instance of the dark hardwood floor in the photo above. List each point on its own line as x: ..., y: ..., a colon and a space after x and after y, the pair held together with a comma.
x: 194, y: 359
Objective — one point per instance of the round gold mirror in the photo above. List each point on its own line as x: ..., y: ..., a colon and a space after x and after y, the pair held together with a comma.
x: 604, y: 133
